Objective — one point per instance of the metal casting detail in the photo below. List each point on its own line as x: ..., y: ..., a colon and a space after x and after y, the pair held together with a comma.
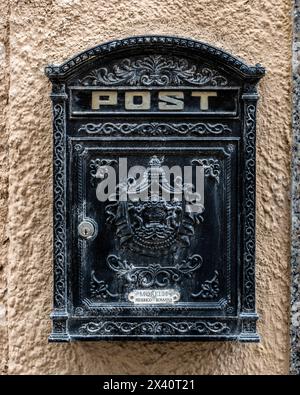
x: 153, y: 327
x: 156, y: 70
x: 157, y: 227
x: 210, y: 288
x: 154, y: 274
x: 154, y: 128
x: 249, y: 242
x: 59, y: 206
x: 211, y: 166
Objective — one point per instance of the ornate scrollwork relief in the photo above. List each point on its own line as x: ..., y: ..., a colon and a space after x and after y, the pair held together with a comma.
x: 249, y: 242
x: 249, y: 326
x: 59, y: 205
x: 155, y: 128
x: 154, y: 327
x: 155, y: 70
x: 99, y: 288
x: 98, y: 168
x: 154, y: 274
x: 154, y: 227
x: 210, y: 288
x: 211, y: 166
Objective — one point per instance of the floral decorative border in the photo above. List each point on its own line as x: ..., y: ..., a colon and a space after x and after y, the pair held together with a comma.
x: 154, y: 128
x: 153, y: 327
x: 249, y: 196
x: 59, y: 314
x: 59, y: 205
x: 156, y: 70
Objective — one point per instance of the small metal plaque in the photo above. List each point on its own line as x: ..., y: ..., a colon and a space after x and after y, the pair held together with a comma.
x: 154, y: 296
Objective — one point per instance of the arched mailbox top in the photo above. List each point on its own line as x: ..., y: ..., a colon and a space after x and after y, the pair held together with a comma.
x: 143, y: 44
x: 154, y: 76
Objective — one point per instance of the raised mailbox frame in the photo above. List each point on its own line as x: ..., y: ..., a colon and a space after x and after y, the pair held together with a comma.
x: 227, y: 131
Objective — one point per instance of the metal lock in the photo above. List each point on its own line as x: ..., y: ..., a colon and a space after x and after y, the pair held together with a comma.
x: 87, y: 229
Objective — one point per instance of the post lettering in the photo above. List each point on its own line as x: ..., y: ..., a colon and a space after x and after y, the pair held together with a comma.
x: 130, y: 101
x: 204, y: 98
x: 169, y: 100
x: 104, y: 98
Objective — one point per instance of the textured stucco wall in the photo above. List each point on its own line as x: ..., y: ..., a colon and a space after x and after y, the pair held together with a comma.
x: 37, y: 32
x: 4, y: 87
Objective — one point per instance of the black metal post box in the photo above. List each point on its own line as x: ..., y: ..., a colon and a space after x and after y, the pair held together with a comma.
x: 154, y: 192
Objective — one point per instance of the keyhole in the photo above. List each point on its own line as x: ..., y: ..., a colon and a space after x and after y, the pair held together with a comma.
x: 87, y: 229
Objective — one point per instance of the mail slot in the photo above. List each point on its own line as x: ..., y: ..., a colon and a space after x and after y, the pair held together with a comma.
x: 154, y: 192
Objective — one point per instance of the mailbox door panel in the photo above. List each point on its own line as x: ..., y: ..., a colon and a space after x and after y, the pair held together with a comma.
x: 156, y: 244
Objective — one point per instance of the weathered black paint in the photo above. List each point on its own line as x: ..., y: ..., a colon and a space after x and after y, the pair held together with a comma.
x: 209, y: 259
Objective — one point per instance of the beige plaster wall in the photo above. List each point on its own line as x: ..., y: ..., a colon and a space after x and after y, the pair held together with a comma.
x: 36, y: 32
x: 4, y: 87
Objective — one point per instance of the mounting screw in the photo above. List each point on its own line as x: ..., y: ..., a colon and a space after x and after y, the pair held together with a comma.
x: 176, y: 296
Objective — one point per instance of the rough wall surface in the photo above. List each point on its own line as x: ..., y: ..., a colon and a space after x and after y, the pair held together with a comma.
x: 295, y: 240
x: 50, y: 31
x: 4, y: 87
